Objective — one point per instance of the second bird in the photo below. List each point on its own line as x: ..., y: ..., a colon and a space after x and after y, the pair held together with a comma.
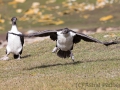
x: 15, y: 43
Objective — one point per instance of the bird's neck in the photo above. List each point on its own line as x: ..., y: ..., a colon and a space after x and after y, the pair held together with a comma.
x: 66, y: 35
x: 14, y: 28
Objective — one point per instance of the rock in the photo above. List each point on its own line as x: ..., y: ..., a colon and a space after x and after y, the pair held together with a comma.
x: 88, y: 32
x: 99, y: 30
x: 1, y: 42
x: 36, y: 39
x: 1, y: 46
x: 84, y: 31
x: 76, y: 30
x: 30, y: 31
x: 109, y: 29
x: 4, y: 44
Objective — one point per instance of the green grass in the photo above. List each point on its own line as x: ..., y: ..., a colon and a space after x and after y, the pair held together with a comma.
x: 96, y: 67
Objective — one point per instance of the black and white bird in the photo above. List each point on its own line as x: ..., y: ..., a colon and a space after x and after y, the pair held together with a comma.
x: 65, y: 40
x: 14, y: 42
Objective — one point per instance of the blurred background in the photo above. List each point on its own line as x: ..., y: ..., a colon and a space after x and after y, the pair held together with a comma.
x: 56, y: 14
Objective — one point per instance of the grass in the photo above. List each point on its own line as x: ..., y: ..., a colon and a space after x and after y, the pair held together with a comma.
x: 96, y: 67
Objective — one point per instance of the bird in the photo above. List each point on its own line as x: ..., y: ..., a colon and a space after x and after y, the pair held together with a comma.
x: 65, y: 39
x: 14, y: 42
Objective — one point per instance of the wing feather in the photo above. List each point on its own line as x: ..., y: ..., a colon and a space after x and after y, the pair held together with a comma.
x: 51, y: 33
x: 84, y: 37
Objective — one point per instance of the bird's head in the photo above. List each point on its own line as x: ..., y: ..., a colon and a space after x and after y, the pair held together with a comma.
x: 65, y: 31
x: 14, y: 19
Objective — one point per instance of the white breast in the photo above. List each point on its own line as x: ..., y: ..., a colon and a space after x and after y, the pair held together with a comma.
x: 14, y: 43
x: 65, y: 42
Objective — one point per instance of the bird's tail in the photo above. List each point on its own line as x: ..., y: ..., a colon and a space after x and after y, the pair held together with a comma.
x: 16, y: 56
x: 63, y: 54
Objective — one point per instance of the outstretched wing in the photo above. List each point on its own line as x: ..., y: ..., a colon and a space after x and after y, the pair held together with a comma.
x: 84, y: 37
x: 79, y: 36
x: 51, y: 33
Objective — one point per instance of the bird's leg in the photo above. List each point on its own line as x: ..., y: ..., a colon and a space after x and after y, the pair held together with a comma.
x: 72, y: 56
x: 55, y: 50
x: 19, y: 57
x: 5, y: 57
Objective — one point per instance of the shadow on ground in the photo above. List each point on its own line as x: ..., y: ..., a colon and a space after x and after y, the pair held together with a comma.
x: 71, y: 63
x: 25, y: 56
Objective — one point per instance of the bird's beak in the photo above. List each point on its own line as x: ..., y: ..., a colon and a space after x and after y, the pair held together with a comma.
x: 14, y: 21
